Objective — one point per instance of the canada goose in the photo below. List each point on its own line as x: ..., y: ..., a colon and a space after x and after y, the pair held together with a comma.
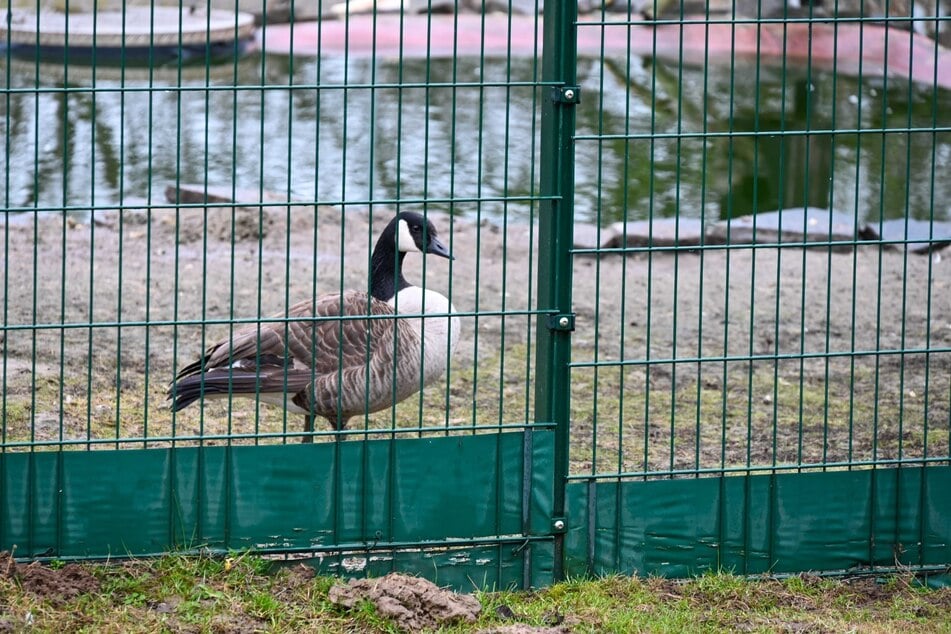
x: 338, y: 368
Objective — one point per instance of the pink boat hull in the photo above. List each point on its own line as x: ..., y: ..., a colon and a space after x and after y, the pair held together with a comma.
x: 872, y: 50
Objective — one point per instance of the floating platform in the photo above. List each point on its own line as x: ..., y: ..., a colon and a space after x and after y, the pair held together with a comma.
x: 137, y: 36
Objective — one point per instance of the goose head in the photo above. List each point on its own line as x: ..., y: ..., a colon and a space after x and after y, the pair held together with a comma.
x: 407, y: 232
x: 412, y: 232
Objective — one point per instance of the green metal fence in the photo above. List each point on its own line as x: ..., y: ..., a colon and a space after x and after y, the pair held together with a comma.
x: 697, y: 272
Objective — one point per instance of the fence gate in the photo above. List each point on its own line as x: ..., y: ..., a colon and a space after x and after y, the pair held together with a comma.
x: 165, y: 193
x: 697, y: 269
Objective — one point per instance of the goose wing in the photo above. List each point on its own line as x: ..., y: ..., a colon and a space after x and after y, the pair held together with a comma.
x: 349, y: 330
x: 321, y: 337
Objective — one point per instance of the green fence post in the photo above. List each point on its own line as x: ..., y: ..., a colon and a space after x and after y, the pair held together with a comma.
x: 555, y: 232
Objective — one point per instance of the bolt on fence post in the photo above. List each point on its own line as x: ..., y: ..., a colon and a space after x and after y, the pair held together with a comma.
x: 555, y: 232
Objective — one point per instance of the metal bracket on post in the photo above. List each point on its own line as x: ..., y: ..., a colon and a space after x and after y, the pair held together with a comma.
x: 566, y: 94
x: 564, y: 322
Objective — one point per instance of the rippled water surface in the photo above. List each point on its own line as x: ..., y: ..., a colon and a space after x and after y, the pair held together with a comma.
x: 653, y: 138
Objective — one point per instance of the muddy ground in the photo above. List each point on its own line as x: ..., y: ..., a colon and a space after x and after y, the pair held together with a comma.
x: 731, y: 356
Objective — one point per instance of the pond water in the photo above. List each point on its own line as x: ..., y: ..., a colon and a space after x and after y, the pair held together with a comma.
x: 653, y: 138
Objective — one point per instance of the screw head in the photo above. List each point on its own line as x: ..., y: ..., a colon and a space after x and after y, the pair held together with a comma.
x: 569, y: 94
x: 564, y: 322
x: 559, y: 525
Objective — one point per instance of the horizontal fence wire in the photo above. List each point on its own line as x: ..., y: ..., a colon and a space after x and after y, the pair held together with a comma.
x: 760, y: 469
x: 267, y: 320
x: 172, y: 208
x: 129, y: 88
x: 742, y: 134
x: 172, y: 441
x: 933, y: 239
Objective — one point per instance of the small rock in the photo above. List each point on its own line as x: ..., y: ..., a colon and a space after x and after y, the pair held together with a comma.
x: 104, y: 220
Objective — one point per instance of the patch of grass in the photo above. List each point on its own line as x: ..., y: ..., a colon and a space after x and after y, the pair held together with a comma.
x: 245, y: 593
x: 721, y: 603
x: 630, y: 420
x: 623, y: 419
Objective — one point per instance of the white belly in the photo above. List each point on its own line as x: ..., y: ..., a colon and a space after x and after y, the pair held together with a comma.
x: 438, y: 334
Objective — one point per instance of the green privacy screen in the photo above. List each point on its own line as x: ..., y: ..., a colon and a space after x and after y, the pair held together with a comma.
x: 700, y: 278
x: 418, y: 505
x: 844, y: 521
x: 454, y: 508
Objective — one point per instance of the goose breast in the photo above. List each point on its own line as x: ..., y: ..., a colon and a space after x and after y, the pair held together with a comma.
x: 438, y: 331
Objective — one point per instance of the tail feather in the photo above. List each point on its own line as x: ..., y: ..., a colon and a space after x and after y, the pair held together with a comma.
x: 193, y: 387
x: 192, y: 368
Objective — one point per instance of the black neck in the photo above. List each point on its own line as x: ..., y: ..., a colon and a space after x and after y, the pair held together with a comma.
x: 386, y: 268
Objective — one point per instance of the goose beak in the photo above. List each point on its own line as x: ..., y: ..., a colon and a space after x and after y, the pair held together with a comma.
x: 438, y: 248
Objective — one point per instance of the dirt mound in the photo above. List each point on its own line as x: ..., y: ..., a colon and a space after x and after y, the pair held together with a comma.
x: 58, y: 585
x: 413, y: 604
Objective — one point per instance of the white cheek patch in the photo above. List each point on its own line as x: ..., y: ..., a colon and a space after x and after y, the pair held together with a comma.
x: 406, y: 242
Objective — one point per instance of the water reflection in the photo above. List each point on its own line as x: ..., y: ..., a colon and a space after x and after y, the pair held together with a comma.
x: 769, y: 146
x: 653, y: 138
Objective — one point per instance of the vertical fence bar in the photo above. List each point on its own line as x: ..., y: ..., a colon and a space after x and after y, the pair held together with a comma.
x: 555, y: 230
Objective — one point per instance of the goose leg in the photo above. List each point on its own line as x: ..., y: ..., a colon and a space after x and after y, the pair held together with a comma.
x: 340, y: 425
x: 302, y: 401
